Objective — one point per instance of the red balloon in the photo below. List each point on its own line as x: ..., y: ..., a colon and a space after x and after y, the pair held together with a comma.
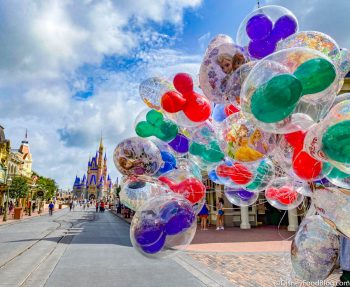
x: 173, y: 102
x: 191, y: 188
x: 305, y: 166
x: 296, y: 139
x: 238, y: 173
x: 183, y: 83
x: 197, y: 108
x: 231, y: 109
x: 285, y: 195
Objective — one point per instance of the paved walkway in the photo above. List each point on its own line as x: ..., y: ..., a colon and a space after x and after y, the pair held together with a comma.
x: 246, y: 258
x: 84, y: 248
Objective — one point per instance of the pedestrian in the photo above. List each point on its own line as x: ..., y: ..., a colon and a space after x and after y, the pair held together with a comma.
x: 51, y: 206
x: 203, y: 215
x: 34, y: 206
x: 102, y: 206
x: 220, y: 214
x: 344, y: 261
x: 88, y: 205
x: 97, y: 206
x: 11, y: 206
x: 70, y: 205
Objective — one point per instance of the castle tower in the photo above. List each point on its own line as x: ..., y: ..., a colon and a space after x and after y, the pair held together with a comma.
x: 100, y: 158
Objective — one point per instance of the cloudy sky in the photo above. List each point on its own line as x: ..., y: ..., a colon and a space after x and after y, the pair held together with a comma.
x: 70, y: 69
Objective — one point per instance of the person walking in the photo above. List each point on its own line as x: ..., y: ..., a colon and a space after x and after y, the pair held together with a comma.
x: 70, y: 205
x: 203, y: 215
x: 51, y: 206
x: 102, y: 206
x: 97, y: 206
x: 344, y: 261
x: 220, y: 214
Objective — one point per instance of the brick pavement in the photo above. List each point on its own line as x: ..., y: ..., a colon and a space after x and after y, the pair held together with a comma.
x: 248, y: 258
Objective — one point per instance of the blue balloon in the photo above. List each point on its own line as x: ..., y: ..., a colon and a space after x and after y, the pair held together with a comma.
x: 219, y: 114
x: 156, y: 246
x: 148, y: 232
x: 176, y: 217
x: 214, y: 177
x: 169, y: 162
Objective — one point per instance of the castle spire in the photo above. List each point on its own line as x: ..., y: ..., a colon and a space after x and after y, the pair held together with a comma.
x: 101, y: 141
x: 25, y: 140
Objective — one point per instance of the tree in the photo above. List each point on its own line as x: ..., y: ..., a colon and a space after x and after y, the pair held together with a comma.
x: 19, y: 188
x: 48, y: 186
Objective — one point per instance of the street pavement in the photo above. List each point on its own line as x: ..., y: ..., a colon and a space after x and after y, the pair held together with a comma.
x: 84, y: 248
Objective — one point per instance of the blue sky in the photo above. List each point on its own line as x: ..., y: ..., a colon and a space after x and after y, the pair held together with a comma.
x: 71, y: 69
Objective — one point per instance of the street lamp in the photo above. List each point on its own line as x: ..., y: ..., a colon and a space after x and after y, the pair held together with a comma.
x: 8, y: 182
x: 31, y: 198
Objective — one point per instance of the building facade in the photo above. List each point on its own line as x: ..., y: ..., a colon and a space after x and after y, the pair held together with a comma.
x: 96, y: 183
x: 4, y: 159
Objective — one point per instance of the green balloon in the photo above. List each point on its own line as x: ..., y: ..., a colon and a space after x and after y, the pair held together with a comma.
x: 315, y: 75
x: 144, y: 129
x: 337, y: 174
x: 210, y: 153
x: 262, y: 171
x: 154, y: 117
x: 336, y: 142
x: 155, y: 125
x: 276, y: 99
x: 166, y: 130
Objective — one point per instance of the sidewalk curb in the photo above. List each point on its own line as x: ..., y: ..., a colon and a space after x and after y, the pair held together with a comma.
x: 206, y: 275
x: 120, y: 216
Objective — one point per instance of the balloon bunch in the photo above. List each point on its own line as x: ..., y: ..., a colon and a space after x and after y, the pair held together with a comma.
x: 265, y: 125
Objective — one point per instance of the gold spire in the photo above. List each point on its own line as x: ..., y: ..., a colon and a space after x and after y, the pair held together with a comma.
x: 101, y: 142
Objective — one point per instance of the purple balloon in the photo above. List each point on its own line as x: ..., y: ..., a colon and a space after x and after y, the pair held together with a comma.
x: 148, y: 232
x: 283, y: 28
x: 180, y: 144
x: 259, y: 27
x: 245, y: 194
x: 156, y: 246
x: 176, y: 217
x: 261, y: 48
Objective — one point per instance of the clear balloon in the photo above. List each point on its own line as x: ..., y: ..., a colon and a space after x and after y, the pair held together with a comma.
x: 333, y: 204
x: 279, y: 95
x: 263, y: 175
x: 135, y: 191
x: 313, y: 40
x: 137, y: 156
x: 165, y: 225
x: 315, y: 249
x: 153, y: 123
x: 152, y: 89
x: 282, y: 193
x: 217, y: 68
x: 182, y: 182
x: 195, y: 107
x: 242, y: 141
x: 338, y: 178
x: 240, y: 196
x: 263, y: 28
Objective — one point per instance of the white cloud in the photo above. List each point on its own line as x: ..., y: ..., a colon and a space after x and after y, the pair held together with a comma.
x: 44, y: 44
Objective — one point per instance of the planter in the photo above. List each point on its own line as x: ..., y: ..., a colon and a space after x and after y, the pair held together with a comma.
x: 18, y: 213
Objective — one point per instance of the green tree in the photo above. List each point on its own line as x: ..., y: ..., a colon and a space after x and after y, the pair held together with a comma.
x: 19, y: 188
x: 48, y: 186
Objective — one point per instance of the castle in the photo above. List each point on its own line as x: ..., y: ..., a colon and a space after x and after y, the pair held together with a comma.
x: 97, y: 184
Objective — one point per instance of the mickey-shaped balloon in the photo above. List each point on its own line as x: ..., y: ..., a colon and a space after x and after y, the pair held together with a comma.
x: 156, y: 125
x: 191, y: 188
x: 209, y: 152
x: 238, y: 173
x: 262, y: 29
x: 304, y: 166
x: 195, y: 106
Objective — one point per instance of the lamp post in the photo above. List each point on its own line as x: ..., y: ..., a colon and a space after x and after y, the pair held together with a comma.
x: 8, y: 182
